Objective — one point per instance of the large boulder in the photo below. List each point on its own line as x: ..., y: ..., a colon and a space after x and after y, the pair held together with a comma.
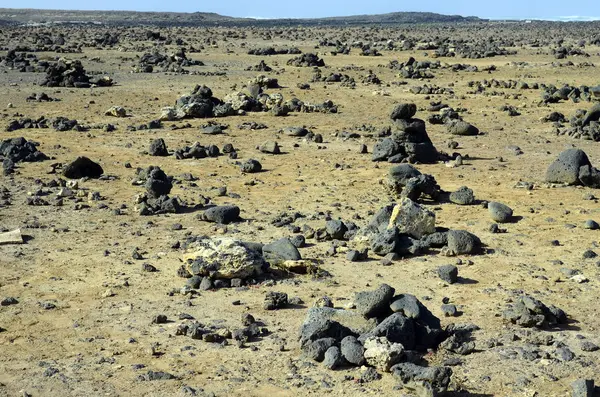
x: 350, y: 319
x: 463, y: 196
x: 592, y: 115
x: 396, y: 328
x: 404, y: 180
x: 402, y: 173
x: 573, y: 168
x: 500, y: 212
x: 157, y: 183
x: 82, y: 167
x: 223, y: 258
x: 404, y: 111
x: 460, y: 127
x: 462, y: 242
x: 158, y: 147
x: 383, y: 354
x: 426, y: 381
x: 384, y: 149
x: 374, y: 303
x: 412, y: 219
x: 223, y: 214
x: 280, y: 251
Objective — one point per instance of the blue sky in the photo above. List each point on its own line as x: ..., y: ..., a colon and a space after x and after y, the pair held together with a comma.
x: 547, y: 9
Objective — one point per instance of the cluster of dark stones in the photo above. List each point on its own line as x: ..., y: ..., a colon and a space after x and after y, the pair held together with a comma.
x: 150, y: 62
x: 370, y: 78
x: 273, y: 51
x: 158, y: 186
x: 512, y: 111
x: 306, y: 60
x: 386, y: 240
x: 263, y: 81
x: 566, y: 51
x: 401, y: 327
x: 249, y: 332
x: 40, y: 97
x: 529, y: 312
x: 16, y: 150
x: 404, y: 180
x: 23, y: 62
x: 344, y: 79
x: 340, y: 47
x: 445, y: 113
x: 58, y: 123
x: 552, y: 94
x: 431, y: 90
x: 368, y: 51
x: 459, y: 67
x: 583, y: 125
x: 70, y: 73
x: 413, y: 69
x: 478, y: 50
x: 201, y: 104
x: 506, y: 84
x: 198, y: 151
x: 296, y: 105
x: 408, y: 142
x: 260, y: 67
x: 336, y: 229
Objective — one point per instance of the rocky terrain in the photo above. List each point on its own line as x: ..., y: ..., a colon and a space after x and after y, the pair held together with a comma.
x: 366, y: 210
x: 30, y: 16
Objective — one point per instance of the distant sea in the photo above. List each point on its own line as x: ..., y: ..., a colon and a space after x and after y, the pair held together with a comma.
x: 571, y: 18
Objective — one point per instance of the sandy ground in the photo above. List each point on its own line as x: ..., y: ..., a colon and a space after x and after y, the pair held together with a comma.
x: 89, y: 344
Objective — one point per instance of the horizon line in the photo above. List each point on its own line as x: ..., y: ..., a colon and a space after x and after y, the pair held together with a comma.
x: 570, y: 18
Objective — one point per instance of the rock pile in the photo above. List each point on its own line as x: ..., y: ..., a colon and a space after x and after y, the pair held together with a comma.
x: 201, y: 104
x: 473, y: 50
x: 306, y: 60
x: 152, y: 62
x: 584, y: 125
x: 229, y: 262
x: 344, y: 79
x: 59, y: 124
x: 529, y: 312
x: 40, y: 97
x: 427, y: 89
x: 198, y: 151
x: 261, y: 67
x: 386, y: 331
x: 409, y: 141
x: 404, y: 180
x: 158, y: 185
x: 20, y: 149
x: 273, y: 51
x: 22, y: 62
x: 413, y: 69
x: 68, y: 73
x: 408, y: 229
